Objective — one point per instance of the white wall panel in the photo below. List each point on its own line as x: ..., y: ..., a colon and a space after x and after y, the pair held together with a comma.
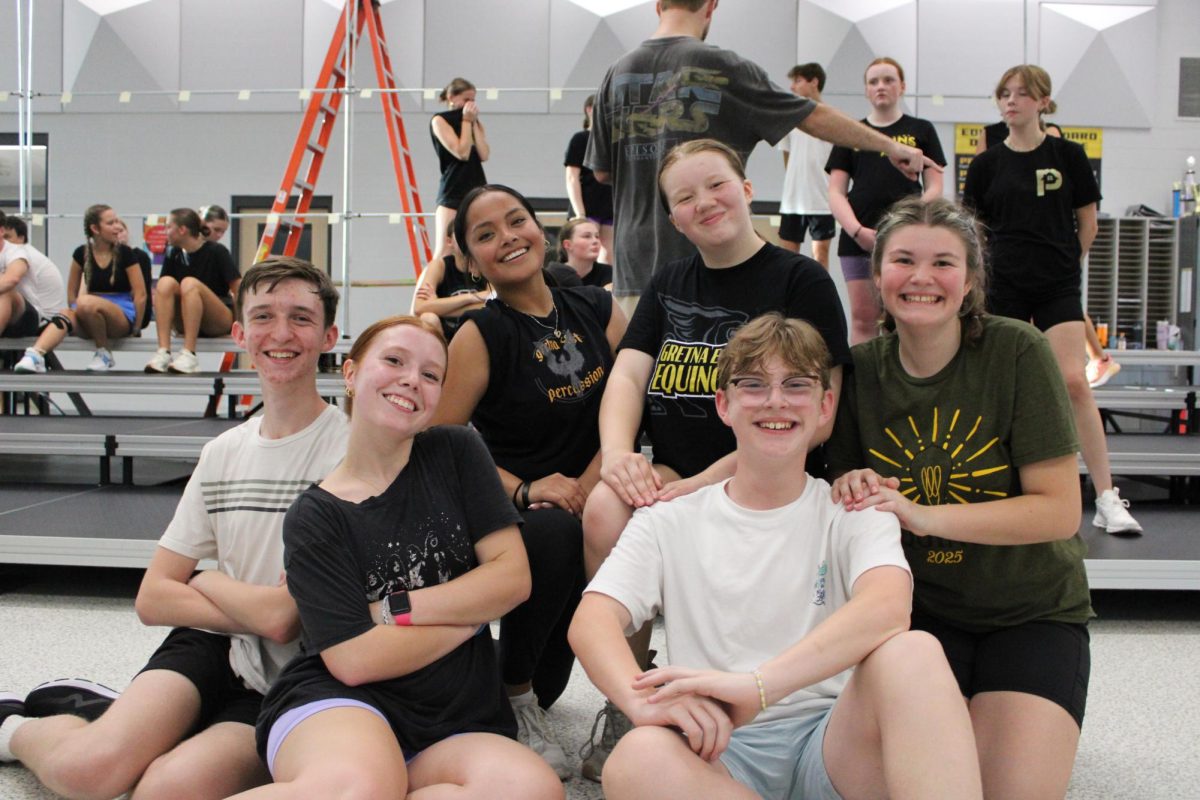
x: 232, y: 44
x: 497, y: 44
x: 964, y: 47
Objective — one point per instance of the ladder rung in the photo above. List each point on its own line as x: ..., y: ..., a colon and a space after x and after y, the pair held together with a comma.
x: 316, y: 147
x: 327, y: 109
x: 301, y: 184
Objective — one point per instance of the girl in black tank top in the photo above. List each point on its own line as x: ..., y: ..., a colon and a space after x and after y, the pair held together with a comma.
x: 461, y: 146
x: 528, y: 370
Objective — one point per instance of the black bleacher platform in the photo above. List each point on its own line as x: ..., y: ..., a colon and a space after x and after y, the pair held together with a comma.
x: 95, y: 526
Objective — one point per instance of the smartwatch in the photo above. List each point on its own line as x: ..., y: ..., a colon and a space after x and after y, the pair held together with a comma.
x: 399, y: 607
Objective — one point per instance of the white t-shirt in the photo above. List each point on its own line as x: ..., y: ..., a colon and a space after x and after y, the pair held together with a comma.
x: 737, y: 587
x: 232, y: 511
x: 42, y: 287
x: 805, y: 182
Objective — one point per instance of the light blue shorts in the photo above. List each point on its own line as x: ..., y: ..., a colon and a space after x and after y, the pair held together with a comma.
x: 123, y: 301
x: 782, y: 760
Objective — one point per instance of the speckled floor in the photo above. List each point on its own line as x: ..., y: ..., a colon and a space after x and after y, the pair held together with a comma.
x: 1139, y: 740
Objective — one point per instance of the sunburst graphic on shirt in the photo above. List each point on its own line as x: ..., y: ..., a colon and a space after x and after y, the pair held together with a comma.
x: 942, y: 461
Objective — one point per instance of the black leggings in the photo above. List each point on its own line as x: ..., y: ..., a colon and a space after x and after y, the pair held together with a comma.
x: 533, y: 636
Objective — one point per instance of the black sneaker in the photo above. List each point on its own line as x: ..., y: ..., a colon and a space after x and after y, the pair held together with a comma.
x: 10, y: 704
x: 77, y: 696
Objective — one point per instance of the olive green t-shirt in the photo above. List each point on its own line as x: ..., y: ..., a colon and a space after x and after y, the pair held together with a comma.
x: 961, y: 436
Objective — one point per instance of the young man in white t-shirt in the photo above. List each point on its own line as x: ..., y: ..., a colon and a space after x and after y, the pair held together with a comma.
x: 793, y: 671
x: 31, y: 288
x: 185, y: 725
x: 804, y: 203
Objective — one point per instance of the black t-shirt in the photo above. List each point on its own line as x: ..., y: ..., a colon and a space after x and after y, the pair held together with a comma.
x: 1028, y: 201
x: 458, y: 176
x: 540, y: 412
x: 601, y: 274
x: 211, y: 265
x: 597, y: 196
x: 994, y: 134
x: 874, y: 183
x: 421, y: 531
x: 455, y: 282
x: 108, y: 280
x: 684, y: 320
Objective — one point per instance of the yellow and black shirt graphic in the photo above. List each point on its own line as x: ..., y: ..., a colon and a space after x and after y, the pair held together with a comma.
x: 962, y: 436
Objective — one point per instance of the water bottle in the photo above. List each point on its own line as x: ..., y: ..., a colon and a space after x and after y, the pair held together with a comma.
x: 1187, y: 193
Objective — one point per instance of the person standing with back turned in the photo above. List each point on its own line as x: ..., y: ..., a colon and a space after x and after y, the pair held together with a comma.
x: 673, y: 88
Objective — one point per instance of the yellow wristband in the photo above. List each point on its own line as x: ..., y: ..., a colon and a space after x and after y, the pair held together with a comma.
x: 762, y: 692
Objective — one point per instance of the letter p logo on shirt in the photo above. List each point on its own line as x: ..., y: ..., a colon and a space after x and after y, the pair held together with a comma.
x: 1048, y: 180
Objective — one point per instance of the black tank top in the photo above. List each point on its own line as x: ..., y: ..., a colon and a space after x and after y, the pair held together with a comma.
x: 458, y: 177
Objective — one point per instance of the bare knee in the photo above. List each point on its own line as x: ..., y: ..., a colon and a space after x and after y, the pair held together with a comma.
x: 348, y: 782
x: 172, y: 776
x: 644, y: 754
x: 529, y: 779
x: 911, y: 653
x: 1077, y: 385
x: 604, y: 517
x: 87, y: 768
x: 190, y: 285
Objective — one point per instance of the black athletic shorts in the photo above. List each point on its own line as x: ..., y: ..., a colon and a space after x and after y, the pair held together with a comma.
x: 1044, y: 313
x: 203, y: 658
x: 25, y: 325
x: 793, y: 226
x: 1048, y: 659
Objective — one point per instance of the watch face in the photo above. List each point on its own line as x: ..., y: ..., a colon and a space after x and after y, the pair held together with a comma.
x: 398, y: 603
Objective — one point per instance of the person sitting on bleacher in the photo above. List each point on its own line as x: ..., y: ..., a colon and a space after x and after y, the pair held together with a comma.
x: 194, y: 293
x: 31, y: 287
x: 185, y: 725
x: 107, y: 291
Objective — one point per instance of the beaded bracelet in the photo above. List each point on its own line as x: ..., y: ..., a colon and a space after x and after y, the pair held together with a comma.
x: 762, y: 692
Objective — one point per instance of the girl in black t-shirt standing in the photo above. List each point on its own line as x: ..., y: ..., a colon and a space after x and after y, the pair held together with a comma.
x: 461, y: 145
x: 862, y: 185
x: 528, y: 371
x: 397, y: 561
x: 1038, y: 195
x: 589, y: 198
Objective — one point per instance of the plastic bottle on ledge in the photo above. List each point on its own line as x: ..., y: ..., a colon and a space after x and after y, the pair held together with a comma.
x: 1187, y: 194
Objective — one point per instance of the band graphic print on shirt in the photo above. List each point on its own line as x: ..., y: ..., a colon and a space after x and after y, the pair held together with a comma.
x: 568, y: 380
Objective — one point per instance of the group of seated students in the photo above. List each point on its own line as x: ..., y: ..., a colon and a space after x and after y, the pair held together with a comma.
x: 915, y: 629
x: 108, y: 289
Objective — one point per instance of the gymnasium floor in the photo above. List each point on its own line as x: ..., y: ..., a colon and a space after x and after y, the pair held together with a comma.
x: 1139, y: 738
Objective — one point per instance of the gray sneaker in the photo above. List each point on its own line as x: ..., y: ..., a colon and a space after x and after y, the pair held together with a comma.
x: 533, y: 730
x: 594, y: 753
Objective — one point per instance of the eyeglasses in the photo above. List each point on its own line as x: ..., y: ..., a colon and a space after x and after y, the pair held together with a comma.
x: 795, y: 389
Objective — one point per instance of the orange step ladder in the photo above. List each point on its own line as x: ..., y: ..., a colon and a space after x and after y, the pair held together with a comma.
x: 320, y: 115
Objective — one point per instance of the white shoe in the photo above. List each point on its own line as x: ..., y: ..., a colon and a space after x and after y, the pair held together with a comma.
x: 160, y: 361
x: 533, y: 730
x: 1113, y: 515
x: 1100, y: 370
x: 185, y: 363
x: 32, y: 361
x: 102, y: 361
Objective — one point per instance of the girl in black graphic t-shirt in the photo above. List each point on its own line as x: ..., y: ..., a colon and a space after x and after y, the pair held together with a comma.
x: 1038, y: 196
x: 862, y: 185
x: 663, y: 378
x: 397, y: 562
x: 528, y: 370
